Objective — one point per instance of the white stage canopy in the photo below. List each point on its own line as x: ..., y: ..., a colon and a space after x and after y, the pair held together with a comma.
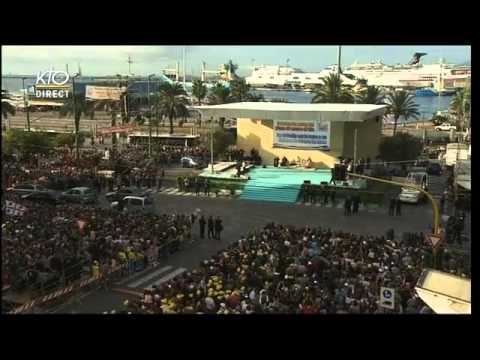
x: 293, y: 111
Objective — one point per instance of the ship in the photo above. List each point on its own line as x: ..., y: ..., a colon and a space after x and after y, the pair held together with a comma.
x: 281, y: 77
x: 441, y: 76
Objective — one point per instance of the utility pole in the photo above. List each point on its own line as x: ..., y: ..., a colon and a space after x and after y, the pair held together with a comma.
x: 149, y: 120
x: 25, y: 103
x: 355, y: 151
x: 77, y: 149
x: 184, y: 70
x: 211, y: 143
x: 339, y: 59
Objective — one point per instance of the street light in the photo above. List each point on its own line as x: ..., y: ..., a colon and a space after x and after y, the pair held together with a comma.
x: 77, y: 149
x: 27, y: 107
x: 149, y: 118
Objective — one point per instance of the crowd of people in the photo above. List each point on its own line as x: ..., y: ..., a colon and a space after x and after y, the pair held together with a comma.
x: 52, y: 249
x: 283, y: 269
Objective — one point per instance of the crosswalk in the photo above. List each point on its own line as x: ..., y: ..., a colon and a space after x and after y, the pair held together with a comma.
x: 341, y: 205
x: 147, y: 279
x: 175, y: 191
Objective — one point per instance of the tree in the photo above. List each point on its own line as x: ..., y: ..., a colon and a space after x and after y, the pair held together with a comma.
x: 82, y: 107
x: 240, y: 90
x: 400, y: 147
x: 371, y: 95
x: 199, y: 90
x: 28, y: 143
x: 222, y: 140
x: 401, y: 103
x: 7, y: 109
x: 439, y: 119
x: 332, y: 90
x: 65, y: 140
x: 219, y: 94
x: 172, y: 101
x: 461, y: 106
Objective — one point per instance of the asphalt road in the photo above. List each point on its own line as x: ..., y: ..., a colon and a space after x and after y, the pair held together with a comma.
x: 241, y: 215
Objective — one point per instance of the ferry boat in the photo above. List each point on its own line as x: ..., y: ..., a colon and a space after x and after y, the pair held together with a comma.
x: 415, y: 74
x: 275, y: 76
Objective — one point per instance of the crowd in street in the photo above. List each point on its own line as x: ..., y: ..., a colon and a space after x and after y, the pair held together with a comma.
x: 282, y: 269
x: 54, y: 248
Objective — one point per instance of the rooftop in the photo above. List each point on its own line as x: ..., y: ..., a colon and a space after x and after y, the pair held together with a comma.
x: 293, y: 111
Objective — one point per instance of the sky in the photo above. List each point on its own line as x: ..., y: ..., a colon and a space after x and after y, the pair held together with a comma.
x: 112, y: 60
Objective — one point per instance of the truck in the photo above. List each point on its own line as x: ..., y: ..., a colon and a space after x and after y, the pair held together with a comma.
x: 415, y: 177
x: 456, y: 151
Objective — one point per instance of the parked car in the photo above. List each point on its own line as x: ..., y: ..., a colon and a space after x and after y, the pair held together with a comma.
x: 81, y: 195
x: 191, y: 162
x: 28, y: 189
x: 43, y: 197
x: 434, y: 169
x: 135, y: 203
x: 445, y: 127
x: 410, y: 195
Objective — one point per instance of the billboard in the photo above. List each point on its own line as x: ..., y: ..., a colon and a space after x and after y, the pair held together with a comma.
x: 302, y: 134
x: 103, y: 92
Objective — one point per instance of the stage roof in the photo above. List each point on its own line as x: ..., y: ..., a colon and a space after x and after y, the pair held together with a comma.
x: 293, y: 112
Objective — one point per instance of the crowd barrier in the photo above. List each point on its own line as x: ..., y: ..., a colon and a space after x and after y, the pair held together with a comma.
x: 64, y: 291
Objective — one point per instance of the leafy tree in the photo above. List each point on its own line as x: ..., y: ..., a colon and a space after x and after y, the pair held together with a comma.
x: 371, y: 95
x: 400, y: 147
x: 241, y: 91
x: 222, y: 139
x: 231, y: 68
x: 199, y: 90
x: 439, y: 119
x: 27, y: 143
x: 332, y: 90
x: 401, y: 103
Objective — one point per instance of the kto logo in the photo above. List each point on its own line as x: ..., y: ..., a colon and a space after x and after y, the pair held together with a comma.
x: 52, y: 77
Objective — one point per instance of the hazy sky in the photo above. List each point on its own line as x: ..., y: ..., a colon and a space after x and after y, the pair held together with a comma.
x: 111, y: 60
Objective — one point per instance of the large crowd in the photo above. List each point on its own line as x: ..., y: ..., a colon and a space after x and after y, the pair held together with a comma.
x: 283, y: 269
x: 53, y: 245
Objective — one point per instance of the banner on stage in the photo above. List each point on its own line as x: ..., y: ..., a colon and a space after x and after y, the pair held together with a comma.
x: 302, y: 134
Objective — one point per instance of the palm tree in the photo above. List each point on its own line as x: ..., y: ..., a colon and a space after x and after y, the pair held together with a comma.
x: 219, y: 94
x: 240, y: 90
x: 332, y: 90
x: 401, y: 103
x: 172, y: 101
x: 461, y: 106
x: 7, y: 109
x: 81, y: 107
x: 371, y: 95
x: 199, y: 90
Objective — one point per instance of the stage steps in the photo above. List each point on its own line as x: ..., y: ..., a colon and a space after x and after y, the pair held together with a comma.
x: 261, y: 191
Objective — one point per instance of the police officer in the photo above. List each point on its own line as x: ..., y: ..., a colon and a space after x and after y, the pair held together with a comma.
x: 202, y: 223
x: 218, y: 227
x: 210, y: 225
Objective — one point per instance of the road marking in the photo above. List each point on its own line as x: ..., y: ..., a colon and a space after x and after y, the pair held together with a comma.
x: 168, y: 277
x: 148, y: 277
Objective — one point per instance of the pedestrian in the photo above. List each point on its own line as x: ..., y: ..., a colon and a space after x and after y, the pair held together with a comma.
x: 197, y: 186
x: 356, y: 204
x: 186, y: 184
x: 442, y: 203
x: 332, y: 196
x: 326, y: 194
x: 207, y: 187
x: 218, y: 227
x: 202, y: 227
x: 306, y: 192
x: 398, y: 207
x: 159, y: 183
x: 348, y: 204
x: 391, y: 207
x: 180, y: 183
x: 211, y: 234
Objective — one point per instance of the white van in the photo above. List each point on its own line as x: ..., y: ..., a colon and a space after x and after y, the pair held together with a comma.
x: 136, y: 204
x: 410, y: 195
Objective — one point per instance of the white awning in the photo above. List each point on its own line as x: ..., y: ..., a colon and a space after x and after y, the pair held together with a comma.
x: 293, y: 112
x: 445, y: 293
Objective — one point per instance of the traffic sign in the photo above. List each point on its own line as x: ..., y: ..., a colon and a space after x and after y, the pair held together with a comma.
x: 387, y: 298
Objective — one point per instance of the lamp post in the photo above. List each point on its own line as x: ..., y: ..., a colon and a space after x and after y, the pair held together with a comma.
x: 211, y: 144
x: 25, y: 103
x: 77, y: 148
x: 149, y: 118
